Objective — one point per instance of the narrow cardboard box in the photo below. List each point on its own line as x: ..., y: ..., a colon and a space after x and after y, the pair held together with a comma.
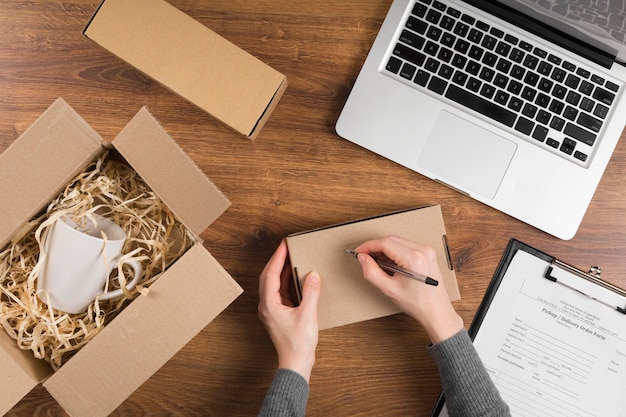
x: 148, y: 332
x: 191, y: 60
x: 346, y: 297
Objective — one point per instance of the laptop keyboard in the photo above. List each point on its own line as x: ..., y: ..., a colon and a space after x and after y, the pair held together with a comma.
x: 547, y: 99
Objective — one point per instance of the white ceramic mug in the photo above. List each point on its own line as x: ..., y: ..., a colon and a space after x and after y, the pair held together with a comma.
x: 78, y: 263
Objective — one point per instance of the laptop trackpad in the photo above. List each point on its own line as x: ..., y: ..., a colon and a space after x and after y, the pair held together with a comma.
x: 464, y: 154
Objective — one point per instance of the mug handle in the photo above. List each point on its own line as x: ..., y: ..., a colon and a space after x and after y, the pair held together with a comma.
x: 136, y: 265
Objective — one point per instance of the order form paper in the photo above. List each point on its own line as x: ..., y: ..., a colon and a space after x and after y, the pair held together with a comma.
x: 550, y: 350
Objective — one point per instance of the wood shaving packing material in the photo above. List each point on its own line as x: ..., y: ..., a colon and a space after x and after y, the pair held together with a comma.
x: 154, y: 237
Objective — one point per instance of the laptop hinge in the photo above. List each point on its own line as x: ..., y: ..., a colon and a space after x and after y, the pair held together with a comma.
x: 543, y: 30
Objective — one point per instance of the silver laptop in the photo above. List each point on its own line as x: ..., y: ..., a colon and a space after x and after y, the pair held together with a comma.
x: 516, y: 103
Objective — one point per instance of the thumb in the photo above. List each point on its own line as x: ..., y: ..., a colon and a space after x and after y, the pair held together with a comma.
x: 311, y: 290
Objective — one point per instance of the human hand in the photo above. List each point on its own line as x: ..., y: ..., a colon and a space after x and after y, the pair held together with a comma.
x: 293, y: 330
x: 430, y: 305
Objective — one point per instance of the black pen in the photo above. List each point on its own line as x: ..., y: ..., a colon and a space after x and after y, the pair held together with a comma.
x: 393, y: 268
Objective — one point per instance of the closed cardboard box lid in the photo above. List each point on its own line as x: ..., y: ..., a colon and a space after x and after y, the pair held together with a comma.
x: 345, y: 296
x: 189, y: 59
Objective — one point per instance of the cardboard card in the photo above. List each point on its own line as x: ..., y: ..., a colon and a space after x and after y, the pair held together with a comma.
x: 346, y: 297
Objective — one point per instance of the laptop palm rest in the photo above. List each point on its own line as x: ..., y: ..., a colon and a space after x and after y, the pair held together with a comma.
x: 463, y: 154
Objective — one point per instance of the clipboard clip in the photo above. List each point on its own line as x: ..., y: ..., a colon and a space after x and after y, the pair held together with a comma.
x: 593, y: 277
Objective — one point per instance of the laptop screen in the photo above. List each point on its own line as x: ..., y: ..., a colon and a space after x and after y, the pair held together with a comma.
x: 601, y: 23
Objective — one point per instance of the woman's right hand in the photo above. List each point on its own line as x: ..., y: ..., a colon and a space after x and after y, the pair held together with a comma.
x: 428, y: 304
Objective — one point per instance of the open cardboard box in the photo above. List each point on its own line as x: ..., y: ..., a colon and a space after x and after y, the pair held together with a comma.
x: 346, y: 297
x: 153, y: 327
x: 191, y: 60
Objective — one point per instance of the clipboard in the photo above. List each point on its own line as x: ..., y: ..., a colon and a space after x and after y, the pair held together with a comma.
x: 565, y: 348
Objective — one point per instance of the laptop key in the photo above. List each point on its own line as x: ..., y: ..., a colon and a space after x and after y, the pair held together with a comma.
x: 459, y: 78
x: 434, y: 33
x: 524, y: 125
x: 482, y: 25
x: 581, y: 156
x: 446, y: 71
x: 502, y: 97
x: 517, y: 55
x: 412, y: 39
x: 543, y: 117
x: 568, y: 146
x: 453, y: 12
x: 573, y: 98
x: 587, y: 104
x: 459, y: 61
x: 475, y: 36
x: 461, y: 46
x: 419, y: 10
x: 515, y: 104
x: 474, y: 84
x: 416, y: 25
x: 437, y: 85
x: 421, y: 78
x: 407, y: 71
x: 579, y: 134
x: 612, y: 86
x: 489, y: 42
x: 490, y: 59
x: 601, y: 111
x: 394, y: 65
x: 552, y: 142
x: 544, y: 68
x: 487, y: 91
x: 503, y: 65
x: 511, y: 39
x: 540, y: 133
x: 447, y: 23
x: 585, y: 87
x: 557, y: 123
x: 529, y: 110
x: 433, y: 16
x: 439, y: 6
x: 572, y: 81
x: 545, y: 85
x: 431, y: 48
x: 542, y: 100
x: 589, y: 122
x: 448, y: 40
x: 461, y: 29
x: 409, y: 54
x: 603, y: 96
x: 480, y: 105
x: 570, y: 113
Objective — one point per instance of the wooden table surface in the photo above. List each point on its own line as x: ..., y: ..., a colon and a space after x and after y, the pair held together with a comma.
x: 296, y: 176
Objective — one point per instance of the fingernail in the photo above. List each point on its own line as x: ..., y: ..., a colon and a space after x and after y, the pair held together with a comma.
x: 314, y: 277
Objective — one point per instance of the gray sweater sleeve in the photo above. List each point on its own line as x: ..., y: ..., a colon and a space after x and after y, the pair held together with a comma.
x: 467, y: 387
x: 287, y: 396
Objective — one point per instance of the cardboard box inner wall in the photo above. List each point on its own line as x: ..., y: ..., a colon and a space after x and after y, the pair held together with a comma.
x: 346, y: 297
x: 191, y: 60
x: 153, y: 327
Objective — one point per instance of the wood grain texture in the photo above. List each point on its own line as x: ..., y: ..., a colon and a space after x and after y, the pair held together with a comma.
x: 296, y: 176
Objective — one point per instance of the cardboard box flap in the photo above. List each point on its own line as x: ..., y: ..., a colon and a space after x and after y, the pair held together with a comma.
x: 163, y: 165
x: 41, y: 162
x: 189, y: 295
x: 20, y: 371
x: 346, y: 297
x: 189, y: 59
